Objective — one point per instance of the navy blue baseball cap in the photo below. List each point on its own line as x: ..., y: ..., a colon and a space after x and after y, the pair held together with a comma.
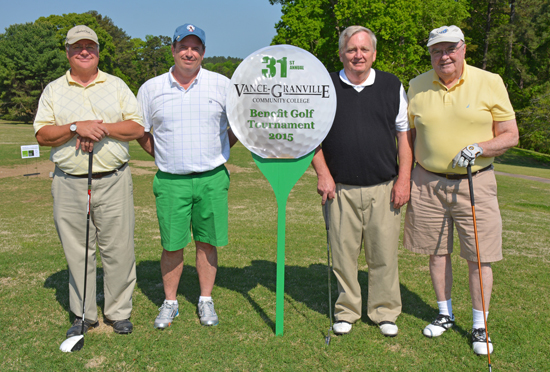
x: 189, y: 29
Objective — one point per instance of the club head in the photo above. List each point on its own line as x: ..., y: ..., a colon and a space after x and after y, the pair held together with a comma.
x: 327, y: 340
x: 71, y: 344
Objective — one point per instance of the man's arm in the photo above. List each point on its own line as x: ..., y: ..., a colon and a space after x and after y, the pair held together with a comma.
x: 232, y: 138
x: 401, y: 190
x: 506, y: 136
x: 125, y: 131
x: 57, y: 135
x: 325, y: 183
x: 147, y: 142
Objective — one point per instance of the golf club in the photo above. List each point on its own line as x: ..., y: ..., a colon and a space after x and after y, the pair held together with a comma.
x: 470, y: 183
x: 76, y: 343
x: 329, y: 269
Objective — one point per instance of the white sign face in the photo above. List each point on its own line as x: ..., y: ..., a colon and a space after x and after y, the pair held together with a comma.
x: 30, y: 151
x: 281, y: 103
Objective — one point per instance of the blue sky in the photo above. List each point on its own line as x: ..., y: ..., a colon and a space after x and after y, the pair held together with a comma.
x: 233, y: 28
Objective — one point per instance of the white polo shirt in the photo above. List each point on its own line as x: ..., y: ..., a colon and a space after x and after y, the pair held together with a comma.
x: 189, y: 125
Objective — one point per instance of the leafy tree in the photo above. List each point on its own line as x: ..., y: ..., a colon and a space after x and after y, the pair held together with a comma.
x: 220, y: 59
x: 516, y: 41
x: 65, y: 22
x: 29, y: 60
x: 401, y: 26
x: 124, y: 53
x: 222, y: 65
x: 152, y: 57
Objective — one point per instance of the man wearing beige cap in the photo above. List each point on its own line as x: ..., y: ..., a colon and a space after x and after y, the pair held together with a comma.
x: 462, y: 116
x: 85, y: 110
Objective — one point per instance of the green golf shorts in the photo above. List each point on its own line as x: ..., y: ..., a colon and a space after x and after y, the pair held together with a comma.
x: 197, y: 200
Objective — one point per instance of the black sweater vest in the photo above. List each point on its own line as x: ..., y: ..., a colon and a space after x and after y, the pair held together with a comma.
x: 360, y: 148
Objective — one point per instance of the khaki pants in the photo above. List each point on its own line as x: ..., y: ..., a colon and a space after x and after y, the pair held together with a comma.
x: 437, y: 204
x: 111, y: 227
x: 365, y: 215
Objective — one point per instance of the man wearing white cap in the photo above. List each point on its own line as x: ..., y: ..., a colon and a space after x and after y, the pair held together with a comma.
x: 190, y: 142
x: 462, y: 116
x: 84, y: 109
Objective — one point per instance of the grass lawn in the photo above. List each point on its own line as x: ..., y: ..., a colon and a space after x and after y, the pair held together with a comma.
x: 34, y: 314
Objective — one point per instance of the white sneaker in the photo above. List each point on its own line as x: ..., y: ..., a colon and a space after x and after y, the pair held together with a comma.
x: 341, y: 328
x: 166, y: 315
x: 479, y: 342
x: 388, y: 329
x: 439, y: 325
x: 207, y: 313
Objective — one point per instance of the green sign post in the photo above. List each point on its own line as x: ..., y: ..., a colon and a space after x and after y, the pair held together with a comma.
x: 282, y: 175
x: 281, y: 105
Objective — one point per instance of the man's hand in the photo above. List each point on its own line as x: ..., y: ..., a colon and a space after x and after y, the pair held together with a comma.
x: 326, y: 188
x: 86, y: 144
x: 325, y: 183
x: 467, y: 155
x: 400, y: 193
x: 92, y: 129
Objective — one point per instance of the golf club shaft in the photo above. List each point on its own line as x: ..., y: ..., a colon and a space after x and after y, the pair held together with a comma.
x: 90, y: 166
x: 472, y: 200
x: 328, y: 271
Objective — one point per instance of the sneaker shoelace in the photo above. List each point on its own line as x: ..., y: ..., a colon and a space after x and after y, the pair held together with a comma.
x: 442, y: 320
x: 206, y: 309
x: 166, y: 311
x: 478, y: 335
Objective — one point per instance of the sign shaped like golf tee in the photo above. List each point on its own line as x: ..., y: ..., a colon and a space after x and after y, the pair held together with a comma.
x: 281, y: 105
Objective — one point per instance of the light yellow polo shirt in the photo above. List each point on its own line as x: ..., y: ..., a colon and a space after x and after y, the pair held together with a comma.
x: 447, y: 120
x: 107, y: 98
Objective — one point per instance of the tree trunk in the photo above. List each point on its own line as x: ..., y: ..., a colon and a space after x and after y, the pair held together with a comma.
x: 487, y: 31
x: 510, y: 38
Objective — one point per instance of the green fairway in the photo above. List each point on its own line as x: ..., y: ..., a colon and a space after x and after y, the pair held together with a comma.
x: 34, y: 314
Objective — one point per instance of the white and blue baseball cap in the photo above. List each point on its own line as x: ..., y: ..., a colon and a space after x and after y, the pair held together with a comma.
x: 445, y: 34
x: 189, y: 29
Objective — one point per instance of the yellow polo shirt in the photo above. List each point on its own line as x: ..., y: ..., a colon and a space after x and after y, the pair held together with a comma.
x: 448, y: 119
x: 107, y: 98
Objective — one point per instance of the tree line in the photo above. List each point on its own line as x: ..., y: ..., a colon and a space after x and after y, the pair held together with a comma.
x: 508, y: 37
x: 33, y: 54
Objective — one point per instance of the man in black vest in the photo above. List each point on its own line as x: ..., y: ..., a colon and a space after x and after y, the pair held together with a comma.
x: 362, y: 186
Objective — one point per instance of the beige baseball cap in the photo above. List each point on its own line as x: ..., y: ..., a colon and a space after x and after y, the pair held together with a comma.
x: 80, y: 32
x: 445, y: 34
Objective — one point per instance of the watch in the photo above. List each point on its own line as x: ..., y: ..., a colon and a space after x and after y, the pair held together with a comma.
x: 73, y: 127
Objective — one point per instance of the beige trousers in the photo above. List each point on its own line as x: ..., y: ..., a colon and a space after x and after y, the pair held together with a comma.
x: 365, y: 215
x: 111, y: 227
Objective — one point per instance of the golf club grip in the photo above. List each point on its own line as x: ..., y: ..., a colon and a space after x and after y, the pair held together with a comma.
x: 325, y: 212
x: 470, y: 184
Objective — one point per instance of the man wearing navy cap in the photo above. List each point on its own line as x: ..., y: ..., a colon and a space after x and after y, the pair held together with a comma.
x: 190, y: 142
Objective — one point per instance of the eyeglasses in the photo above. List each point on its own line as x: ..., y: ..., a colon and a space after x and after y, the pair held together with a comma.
x: 438, y: 53
x: 79, y: 47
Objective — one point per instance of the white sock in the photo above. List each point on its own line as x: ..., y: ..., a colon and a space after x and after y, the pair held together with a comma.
x: 203, y: 298
x: 445, y: 307
x: 171, y: 302
x: 478, y: 318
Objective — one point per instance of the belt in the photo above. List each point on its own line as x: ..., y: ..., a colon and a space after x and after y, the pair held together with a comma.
x: 456, y: 176
x: 97, y: 175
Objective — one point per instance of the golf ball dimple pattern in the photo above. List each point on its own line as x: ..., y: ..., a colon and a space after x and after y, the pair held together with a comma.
x: 307, y: 86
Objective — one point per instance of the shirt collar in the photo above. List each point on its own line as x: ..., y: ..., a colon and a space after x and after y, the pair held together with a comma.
x: 368, y: 81
x: 460, y: 80
x: 100, y: 78
x: 174, y: 82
